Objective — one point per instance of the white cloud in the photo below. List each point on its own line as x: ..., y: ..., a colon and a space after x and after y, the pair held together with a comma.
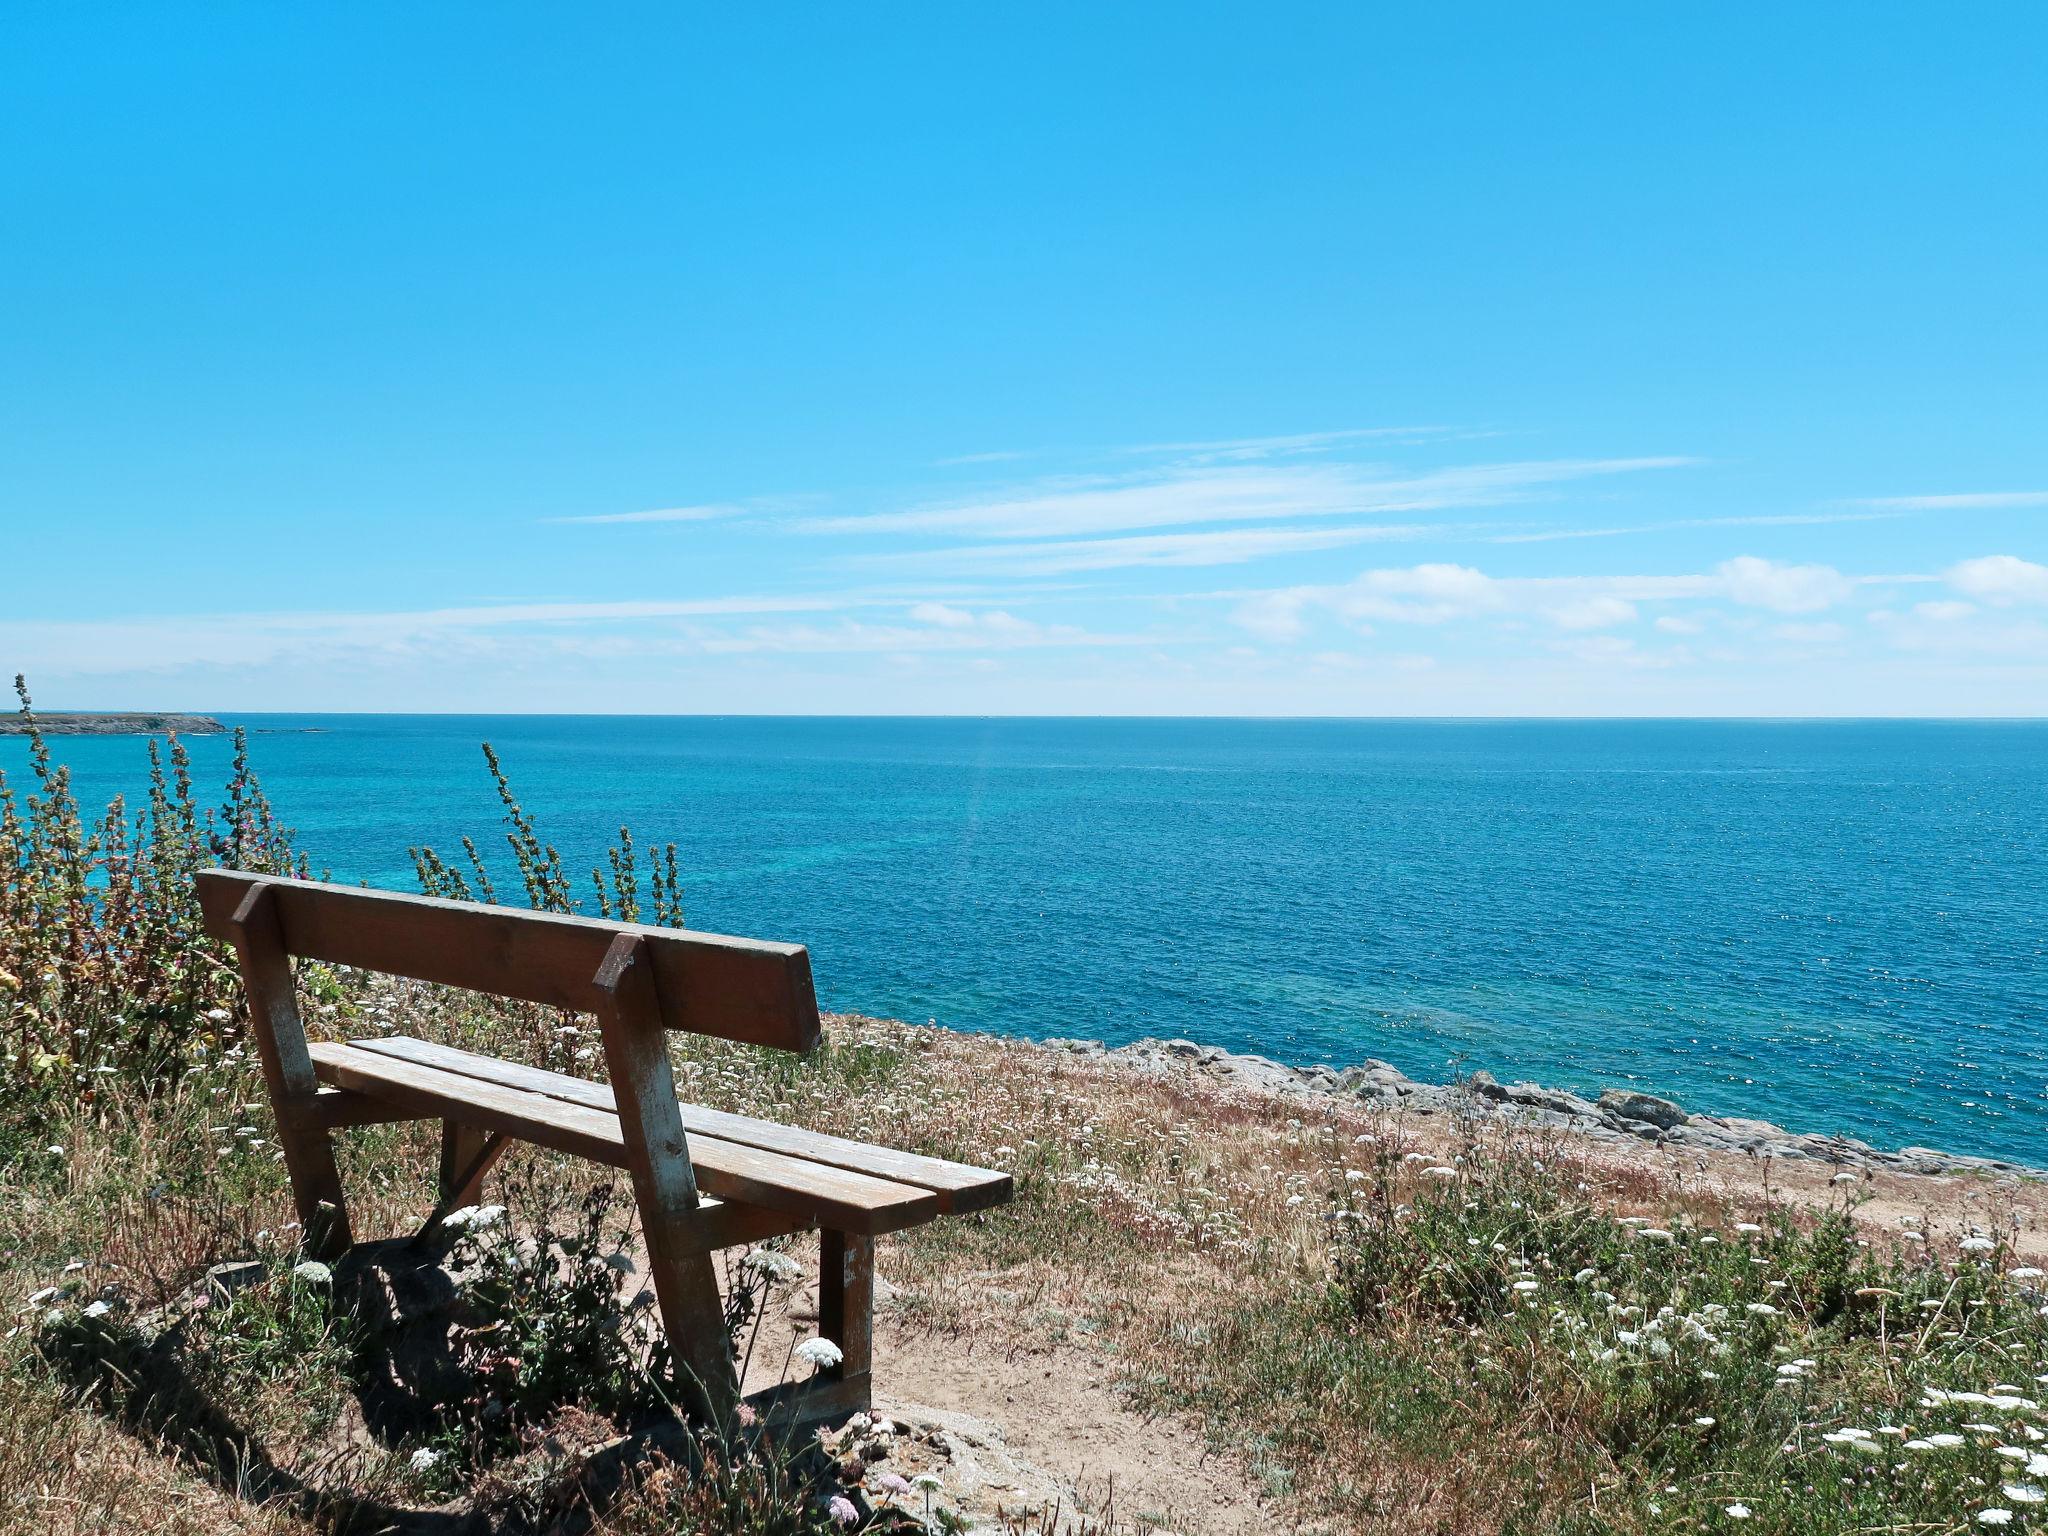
x: 1592, y: 613
x: 1947, y: 611
x: 1810, y: 634
x: 1759, y: 583
x: 2001, y: 579
x: 1422, y: 594
x: 942, y: 614
x: 1438, y: 593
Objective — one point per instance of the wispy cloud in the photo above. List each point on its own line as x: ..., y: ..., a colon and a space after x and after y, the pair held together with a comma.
x: 1766, y: 520
x: 1065, y: 556
x: 1246, y: 493
x: 1289, y: 443
x: 700, y: 512
x: 1961, y: 501
x: 697, y: 514
x: 997, y: 456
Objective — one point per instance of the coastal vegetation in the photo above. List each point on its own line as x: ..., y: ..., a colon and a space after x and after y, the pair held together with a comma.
x: 1377, y: 1320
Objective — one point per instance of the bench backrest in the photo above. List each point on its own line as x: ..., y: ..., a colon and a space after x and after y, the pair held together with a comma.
x: 707, y: 984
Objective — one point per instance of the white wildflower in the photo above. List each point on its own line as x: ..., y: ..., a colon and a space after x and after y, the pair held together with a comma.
x: 1994, y: 1516
x: 98, y: 1309
x: 313, y: 1272
x: 772, y: 1264
x: 1737, y: 1511
x: 425, y: 1460
x: 2024, y: 1493
x: 819, y: 1353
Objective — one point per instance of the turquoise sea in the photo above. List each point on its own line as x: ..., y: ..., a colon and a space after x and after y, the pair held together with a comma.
x: 1837, y: 926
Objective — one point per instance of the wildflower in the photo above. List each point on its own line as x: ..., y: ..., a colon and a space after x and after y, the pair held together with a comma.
x: 2024, y: 1493
x: 1762, y: 1309
x: 1525, y: 1285
x: 1977, y: 1245
x: 425, y: 1460
x: 98, y: 1309
x: 1584, y: 1275
x: 1704, y: 1421
x: 893, y: 1483
x: 841, y: 1510
x: 473, y: 1218
x: 928, y: 1481
x: 2024, y: 1272
x: 313, y: 1272
x: 773, y: 1265
x: 55, y: 1149
x: 1747, y: 1226
x: 819, y: 1353
x: 1994, y: 1516
x: 1737, y: 1511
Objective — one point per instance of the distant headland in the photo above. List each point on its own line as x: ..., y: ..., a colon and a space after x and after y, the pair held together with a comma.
x: 143, y: 724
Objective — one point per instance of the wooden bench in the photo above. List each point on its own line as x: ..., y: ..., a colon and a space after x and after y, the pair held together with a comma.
x: 702, y: 1179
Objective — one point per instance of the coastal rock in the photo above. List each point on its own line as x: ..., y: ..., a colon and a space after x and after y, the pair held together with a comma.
x: 1625, y: 1104
x: 149, y: 724
x: 1618, y: 1114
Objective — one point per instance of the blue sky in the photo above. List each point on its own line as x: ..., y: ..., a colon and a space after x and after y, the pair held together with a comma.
x: 1048, y: 359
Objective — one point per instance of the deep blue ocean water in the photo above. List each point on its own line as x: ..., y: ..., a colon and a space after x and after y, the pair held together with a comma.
x: 1837, y: 926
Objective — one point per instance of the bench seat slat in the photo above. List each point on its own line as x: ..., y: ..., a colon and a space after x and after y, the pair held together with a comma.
x: 959, y: 1186
x: 839, y: 1198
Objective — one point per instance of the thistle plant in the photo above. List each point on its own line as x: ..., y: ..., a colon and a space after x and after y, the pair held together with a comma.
x: 615, y: 887
x: 105, y: 967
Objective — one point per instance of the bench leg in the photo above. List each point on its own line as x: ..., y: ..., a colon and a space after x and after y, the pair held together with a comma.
x: 462, y: 1165
x: 692, y: 1315
x: 316, y: 1188
x: 846, y: 1307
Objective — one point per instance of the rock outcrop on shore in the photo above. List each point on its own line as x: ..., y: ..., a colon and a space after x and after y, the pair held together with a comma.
x: 1616, y: 1115
x: 114, y: 725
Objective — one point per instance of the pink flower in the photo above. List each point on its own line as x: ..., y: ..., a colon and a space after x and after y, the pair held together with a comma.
x: 841, y: 1510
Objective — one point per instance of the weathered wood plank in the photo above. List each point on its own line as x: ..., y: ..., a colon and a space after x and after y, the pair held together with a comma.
x: 817, y: 1194
x: 685, y: 1284
x: 960, y: 1187
x: 252, y: 926
x: 434, y: 1095
x: 709, y: 984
